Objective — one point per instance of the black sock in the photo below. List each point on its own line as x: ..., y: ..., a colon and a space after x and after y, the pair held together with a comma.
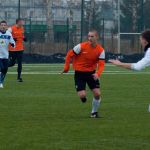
x: 83, y: 99
x: 19, y: 75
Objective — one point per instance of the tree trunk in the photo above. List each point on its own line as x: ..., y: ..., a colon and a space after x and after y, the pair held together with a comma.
x: 91, y: 17
x: 49, y: 18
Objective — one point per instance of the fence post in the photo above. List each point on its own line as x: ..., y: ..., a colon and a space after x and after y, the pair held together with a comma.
x: 103, y: 37
x: 67, y: 39
x: 18, y: 9
x: 30, y: 37
x: 82, y: 17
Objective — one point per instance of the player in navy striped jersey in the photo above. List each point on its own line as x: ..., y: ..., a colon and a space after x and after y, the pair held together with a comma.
x: 5, y: 39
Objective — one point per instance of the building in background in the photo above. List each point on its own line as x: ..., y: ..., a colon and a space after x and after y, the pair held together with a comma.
x: 51, y: 22
x: 43, y: 14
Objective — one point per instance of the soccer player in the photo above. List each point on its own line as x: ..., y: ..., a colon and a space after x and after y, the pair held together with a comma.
x: 86, y: 58
x: 145, y: 61
x: 5, y: 39
x: 16, y: 53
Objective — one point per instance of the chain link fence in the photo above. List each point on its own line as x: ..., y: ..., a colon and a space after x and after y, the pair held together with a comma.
x: 55, y: 26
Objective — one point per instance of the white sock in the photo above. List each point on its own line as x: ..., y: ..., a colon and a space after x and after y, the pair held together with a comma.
x: 95, y: 105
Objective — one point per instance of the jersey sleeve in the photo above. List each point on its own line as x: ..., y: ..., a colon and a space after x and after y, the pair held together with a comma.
x: 101, y: 65
x: 102, y: 55
x: 69, y: 56
x: 77, y: 49
x: 144, y: 62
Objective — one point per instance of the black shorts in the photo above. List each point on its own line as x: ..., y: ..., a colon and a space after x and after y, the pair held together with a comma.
x: 81, y: 78
x: 16, y: 55
x: 3, y: 64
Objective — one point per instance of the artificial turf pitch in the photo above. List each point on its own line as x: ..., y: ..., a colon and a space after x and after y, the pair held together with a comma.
x: 44, y: 112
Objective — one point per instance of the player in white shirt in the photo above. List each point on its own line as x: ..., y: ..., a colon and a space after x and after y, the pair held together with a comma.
x: 145, y: 61
x: 5, y: 39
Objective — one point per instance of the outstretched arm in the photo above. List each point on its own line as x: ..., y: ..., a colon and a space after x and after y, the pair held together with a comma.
x: 69, y: 56
x: 75, y: 51
x: 120, y: 64
x: 144, y: 62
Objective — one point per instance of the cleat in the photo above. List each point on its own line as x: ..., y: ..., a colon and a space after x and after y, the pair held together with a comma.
x: 1, y: 85
x: 19, y: 80
x: 94, y: 115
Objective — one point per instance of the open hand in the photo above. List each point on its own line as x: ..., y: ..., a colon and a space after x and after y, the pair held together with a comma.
x: 115, y: 62
x: 95, y: 76
x: 64, y: 71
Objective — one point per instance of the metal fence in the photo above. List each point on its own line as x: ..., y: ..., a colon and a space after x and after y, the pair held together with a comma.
x: 54, y: 26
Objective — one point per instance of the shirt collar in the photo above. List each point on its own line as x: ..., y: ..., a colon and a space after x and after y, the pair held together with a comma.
x: 3, y: 32
x: 146, y: 47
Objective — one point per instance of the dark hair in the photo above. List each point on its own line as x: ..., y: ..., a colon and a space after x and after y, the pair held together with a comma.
x: 3, y: 22
x: 146, y: 35
x: 19, y: 19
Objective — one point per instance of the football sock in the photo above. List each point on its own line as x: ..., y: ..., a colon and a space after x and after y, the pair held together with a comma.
x: 95, y: 104
x: 19, y: 70
x: 19, y: 75
x: 83, y: 100
x: 2, y: 77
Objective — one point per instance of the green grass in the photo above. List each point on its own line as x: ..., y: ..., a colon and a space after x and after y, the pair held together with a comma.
x: 44, y: 112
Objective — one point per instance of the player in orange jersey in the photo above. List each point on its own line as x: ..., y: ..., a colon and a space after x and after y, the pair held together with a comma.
x: 86, y: 58
x: 16, y: 53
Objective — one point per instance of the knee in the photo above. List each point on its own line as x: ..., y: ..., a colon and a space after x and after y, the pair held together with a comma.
x: 82, y: 96
x: 97, y: 94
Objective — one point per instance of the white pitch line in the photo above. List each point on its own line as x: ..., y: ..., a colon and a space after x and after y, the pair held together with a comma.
x: 47, y: 66
x: 51, y: 65
x: 42, y: 66
x: 57, y: 73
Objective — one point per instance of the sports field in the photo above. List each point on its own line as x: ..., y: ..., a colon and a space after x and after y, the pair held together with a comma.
x: 44, y: 112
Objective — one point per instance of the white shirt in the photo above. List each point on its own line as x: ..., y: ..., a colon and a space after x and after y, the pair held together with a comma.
x: 5, y: 39
x: 144, y: 62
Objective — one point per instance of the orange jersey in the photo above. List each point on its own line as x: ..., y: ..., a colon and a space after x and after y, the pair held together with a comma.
x: 86, y: 58
x: 18, y: 35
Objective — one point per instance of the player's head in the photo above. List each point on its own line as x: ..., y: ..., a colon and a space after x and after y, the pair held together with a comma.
x: 3, y: 25
x: 20, y: 22
x: 145, y: 38
x: 93, y: 36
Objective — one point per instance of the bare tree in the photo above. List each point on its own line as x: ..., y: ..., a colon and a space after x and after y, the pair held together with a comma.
x: 91, y: 14
x: 49, y: 18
